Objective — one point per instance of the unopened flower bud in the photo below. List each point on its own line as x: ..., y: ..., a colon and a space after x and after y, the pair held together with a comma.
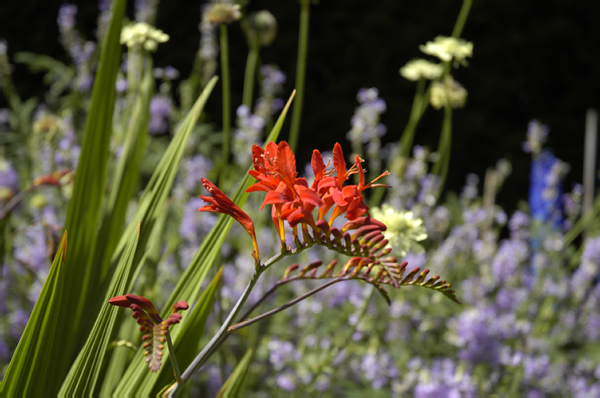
x: 263, y: 26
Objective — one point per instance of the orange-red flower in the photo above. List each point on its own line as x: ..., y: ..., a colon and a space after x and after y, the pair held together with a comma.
x: 293, y: 200
x: 218, y: 202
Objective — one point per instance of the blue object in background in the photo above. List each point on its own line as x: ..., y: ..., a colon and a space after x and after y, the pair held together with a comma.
x: 545, y: 190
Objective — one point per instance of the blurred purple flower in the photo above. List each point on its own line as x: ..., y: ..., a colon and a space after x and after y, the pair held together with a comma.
x: 160, y: 108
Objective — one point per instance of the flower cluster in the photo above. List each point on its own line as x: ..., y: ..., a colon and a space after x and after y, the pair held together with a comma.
x: 418, y: 69
x: 142, y: 34
x: 448, y: 48
x: 448, y: 92
x: 224, y: 13
x: 291, y: 197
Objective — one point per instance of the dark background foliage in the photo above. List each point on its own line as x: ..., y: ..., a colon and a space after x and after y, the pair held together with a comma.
x: 532, y: 59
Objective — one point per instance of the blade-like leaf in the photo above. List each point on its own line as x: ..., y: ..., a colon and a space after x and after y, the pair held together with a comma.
x: 190, y: 283
x: 126, y: 173
x: 233, y: 386
x: 32, y: 360
x: 87, y: 368
x: 83, y: 213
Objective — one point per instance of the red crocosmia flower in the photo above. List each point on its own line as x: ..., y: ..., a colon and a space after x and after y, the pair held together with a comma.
x: 347, y: 199
x: 291, y: 197
x: 218, y: 202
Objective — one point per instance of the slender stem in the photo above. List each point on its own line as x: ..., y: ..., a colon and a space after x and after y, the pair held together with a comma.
x: 415, y: 116
x: 202, y: 357
x: 283, y: 307
x: 14, y: 201
x: 582, y: 223
x: 300, y: 73
x: 250, y: 75
x: 462, y: 18
x: 444, y: 149
x: 174, y: 360
x: 226, y: 91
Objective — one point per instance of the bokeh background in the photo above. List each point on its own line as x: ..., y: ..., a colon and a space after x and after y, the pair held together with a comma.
x: 532, y: 59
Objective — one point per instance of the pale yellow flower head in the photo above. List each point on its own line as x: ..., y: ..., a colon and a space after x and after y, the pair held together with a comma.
x: 421, y: 69
x: 448, y: 48
x: 142, y: 34
x: 404, y: 231
x: 449, y: 91
x: 47, y: 124
x: 224, y: 13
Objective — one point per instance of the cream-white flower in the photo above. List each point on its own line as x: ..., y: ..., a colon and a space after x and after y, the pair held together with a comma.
x: 142, y: 34
x: 449, y: 91
x: 224, y: 13
x: 404, y: 231
x: 448, y: 48
x: 421, y: 69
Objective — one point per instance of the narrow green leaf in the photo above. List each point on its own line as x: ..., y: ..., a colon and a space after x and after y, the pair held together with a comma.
x: 126, y: 174
x: 83, y: 213
x: 233, y: 386
x: 190, y: 283
x: 32, y: 360
x: 120, y: 357
x: 87, y: 368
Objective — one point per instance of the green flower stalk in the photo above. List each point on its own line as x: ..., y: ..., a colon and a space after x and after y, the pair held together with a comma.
x: 223, y: 14
x: 300, y: 72
x: 261, y: 29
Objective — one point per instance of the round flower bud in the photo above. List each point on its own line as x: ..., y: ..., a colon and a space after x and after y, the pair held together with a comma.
x: 263, y: 26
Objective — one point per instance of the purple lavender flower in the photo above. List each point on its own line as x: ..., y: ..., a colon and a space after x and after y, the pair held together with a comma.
x: 160, y: 108
x: 66, y: 17
x: 271, y: 85
x: 476, y: 336
x: 248, y: 133
x: 510, y: 255
x: 537, y: 135
x: 195, y: 169
x: 31, y: 248
x: 121, y: 85
x: 9, y: 180
x: 281, y: 353
x: 366, y: 127
x: 285, y: 381
x: 145, y: 10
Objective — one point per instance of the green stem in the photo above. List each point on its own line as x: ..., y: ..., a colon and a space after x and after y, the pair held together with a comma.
x: 462, y: 18
x: 441, y: 166
x: 300, y: 73
x: 174, y: 360
x: 582, y: 223
x: 416, y: 113
x: 222, y: 332
x: 283, y: 307
x: 226, y: 91
x: 249, y: 76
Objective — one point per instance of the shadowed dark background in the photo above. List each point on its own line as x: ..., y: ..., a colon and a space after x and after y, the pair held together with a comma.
x: 531, y: 60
